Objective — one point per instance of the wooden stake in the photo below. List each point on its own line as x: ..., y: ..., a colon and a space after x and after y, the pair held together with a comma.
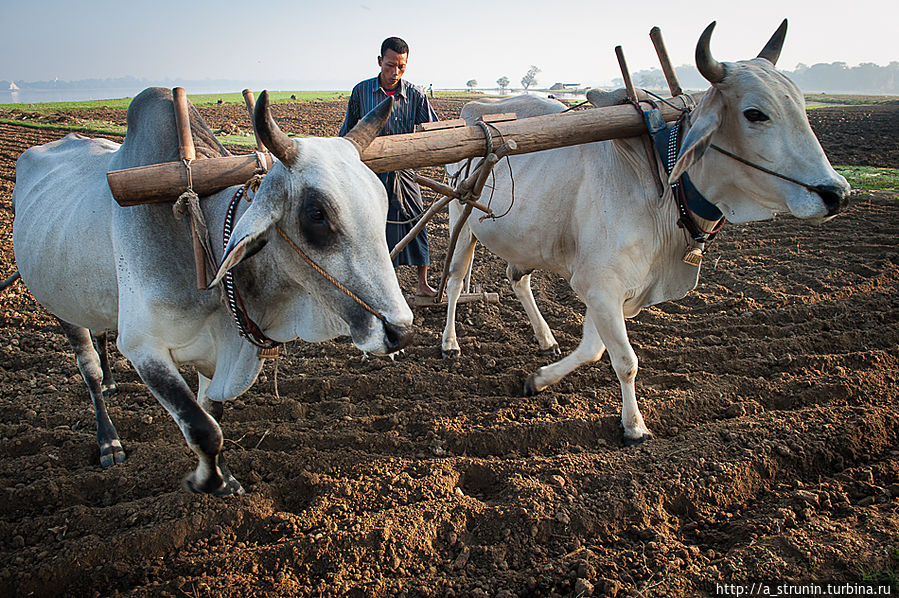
x: 647, y: 144
x: 655, y: 34
x: 251, y: 106
x: 480, y: 179
x: 188, y: 153
x: 182, y: 123
x: 451, y: 249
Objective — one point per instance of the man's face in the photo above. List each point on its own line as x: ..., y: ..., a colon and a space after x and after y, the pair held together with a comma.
x: 393, y: 66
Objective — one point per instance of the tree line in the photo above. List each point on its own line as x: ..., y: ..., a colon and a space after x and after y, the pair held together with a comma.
x: 835, y: 77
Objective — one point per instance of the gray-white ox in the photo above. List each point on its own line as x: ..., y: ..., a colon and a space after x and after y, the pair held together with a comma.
x: 592, y: 214
x: 97, y: 266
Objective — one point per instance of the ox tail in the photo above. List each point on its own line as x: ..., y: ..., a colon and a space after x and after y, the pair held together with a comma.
x: 6, y: 283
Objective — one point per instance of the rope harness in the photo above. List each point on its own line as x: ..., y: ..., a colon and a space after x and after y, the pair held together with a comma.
x: 330, y: 278
x: 466, y: 167
x: 188, y: 204
x: 268, y: 348
x: 690, y: 202
x: 685, y: 111
x: 247, y: 328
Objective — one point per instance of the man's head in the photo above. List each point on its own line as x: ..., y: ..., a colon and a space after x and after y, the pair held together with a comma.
x: 394, y: 53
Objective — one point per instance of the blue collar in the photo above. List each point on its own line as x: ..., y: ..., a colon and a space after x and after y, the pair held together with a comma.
x: 665, y: 138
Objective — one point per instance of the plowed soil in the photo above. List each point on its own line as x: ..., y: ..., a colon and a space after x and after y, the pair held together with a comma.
x: 771, y: 390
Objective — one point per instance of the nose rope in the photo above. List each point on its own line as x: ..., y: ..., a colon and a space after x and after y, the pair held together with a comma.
x: 330, y: 278
x: 811, y: 188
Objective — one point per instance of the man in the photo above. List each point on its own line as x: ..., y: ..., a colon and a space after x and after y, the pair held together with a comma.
x: 411, y: 107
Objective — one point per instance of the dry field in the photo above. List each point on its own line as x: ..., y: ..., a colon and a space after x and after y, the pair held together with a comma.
x: 771, y: 390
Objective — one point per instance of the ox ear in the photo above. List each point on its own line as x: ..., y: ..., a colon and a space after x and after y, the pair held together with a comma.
x: 698, y: 138
x: 244, y: 248
x: 248, y: 237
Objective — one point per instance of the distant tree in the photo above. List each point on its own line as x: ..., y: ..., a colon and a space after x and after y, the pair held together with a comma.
x: 503, y: 83
x: 471, y: 83
x: 650, y: 79
x: 530, y: 78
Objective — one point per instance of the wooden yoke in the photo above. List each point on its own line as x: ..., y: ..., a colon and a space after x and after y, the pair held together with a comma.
x: 188, y: 153
x: 186, y: 148
x: 251, y: 106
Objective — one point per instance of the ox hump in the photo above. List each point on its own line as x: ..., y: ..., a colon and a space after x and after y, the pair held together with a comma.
x: 524, y: 106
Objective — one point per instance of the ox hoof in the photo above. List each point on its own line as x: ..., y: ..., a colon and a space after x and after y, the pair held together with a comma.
x: 229, y: 487
x: 110, y: 390
x: 450, y: 353
x: 551, y: 351
x: 111, y: 454
x: 638, y: 440
x: 232, y: 488
x: 530, y: 386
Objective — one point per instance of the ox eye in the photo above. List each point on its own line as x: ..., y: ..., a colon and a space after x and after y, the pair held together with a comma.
x: 755, y: 116
x: 315, y: 219
x: 315, y: 214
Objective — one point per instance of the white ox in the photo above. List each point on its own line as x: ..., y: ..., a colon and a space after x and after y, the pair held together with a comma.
x: 592, y: 214
x: 97, y: 266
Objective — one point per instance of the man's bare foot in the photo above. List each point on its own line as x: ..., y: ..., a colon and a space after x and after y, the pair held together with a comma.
x: 426, y: 291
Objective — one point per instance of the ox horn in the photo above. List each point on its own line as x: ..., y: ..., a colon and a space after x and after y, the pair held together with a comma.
x: 276, y: 140
x: 368, y: 128
x: 771, y: 51
x: 711, y: 69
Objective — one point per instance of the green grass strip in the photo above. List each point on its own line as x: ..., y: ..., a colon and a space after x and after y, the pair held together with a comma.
x: 871, y: 178
x: 274, y: 97
x: 49, y: 107
x: 87, y: 128
x: 849, y: 100
x: 204, y: 99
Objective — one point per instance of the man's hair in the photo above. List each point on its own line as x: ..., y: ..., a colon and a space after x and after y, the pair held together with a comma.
x: 395, y: 44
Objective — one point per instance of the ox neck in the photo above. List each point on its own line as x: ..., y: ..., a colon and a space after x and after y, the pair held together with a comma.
x: 691, y: 204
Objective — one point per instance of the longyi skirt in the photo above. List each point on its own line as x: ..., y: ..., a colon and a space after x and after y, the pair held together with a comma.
x: 404, y: 205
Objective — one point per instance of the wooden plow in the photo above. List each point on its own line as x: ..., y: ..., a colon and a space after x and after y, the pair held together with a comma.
x: 438, y: 144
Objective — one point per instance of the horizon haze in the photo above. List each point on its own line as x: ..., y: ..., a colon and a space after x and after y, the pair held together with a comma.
x: 334, y: 45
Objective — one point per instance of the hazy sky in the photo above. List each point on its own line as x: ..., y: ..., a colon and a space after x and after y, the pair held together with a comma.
x: 335, y: 43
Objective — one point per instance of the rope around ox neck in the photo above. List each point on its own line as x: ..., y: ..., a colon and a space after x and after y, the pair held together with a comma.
x: 330, y: 278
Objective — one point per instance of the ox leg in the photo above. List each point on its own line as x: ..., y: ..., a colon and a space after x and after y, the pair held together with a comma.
x: 455, y: 280
x: 590, y: 349
x: 609, y: 321
x: 602, y: 328
x: 89, y: 364
x: 521, y: 284
x: 108, y: 385
x: 201, y: 431
x: 217, y: 410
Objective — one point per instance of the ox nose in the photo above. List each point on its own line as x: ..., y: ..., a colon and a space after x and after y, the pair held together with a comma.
x: 398, y: 337
x: 834, y: 197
